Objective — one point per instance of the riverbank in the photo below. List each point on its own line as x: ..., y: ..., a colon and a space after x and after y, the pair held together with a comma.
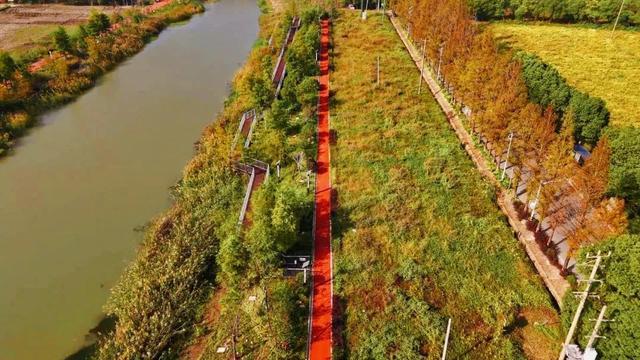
x: 31, y: 86
x: 218, y: 281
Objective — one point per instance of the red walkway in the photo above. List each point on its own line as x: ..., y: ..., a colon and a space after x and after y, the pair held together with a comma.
x: 322, y: 302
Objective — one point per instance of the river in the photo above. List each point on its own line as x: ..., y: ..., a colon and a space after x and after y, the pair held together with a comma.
x: 78, y: 185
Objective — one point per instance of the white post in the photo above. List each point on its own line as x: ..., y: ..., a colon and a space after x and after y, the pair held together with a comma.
x: 504, y: 168
x: 278, y: 169
x: 424, y: 47
x: 594, y: 333
x: 305, y: 275
x: 583, y: 300
x: 446, y: 340
x: 535, y: 203
x: 378, y: 73
x: 440, y: 62
x: 617, y: 18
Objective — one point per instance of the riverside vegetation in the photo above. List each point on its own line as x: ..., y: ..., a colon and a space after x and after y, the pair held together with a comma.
x: 75, y: 63
x: 188, y: 290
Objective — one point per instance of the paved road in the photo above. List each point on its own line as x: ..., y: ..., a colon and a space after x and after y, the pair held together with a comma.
x: 320, y: 346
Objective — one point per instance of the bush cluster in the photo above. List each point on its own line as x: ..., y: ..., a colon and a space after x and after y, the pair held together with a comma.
x: 598, y: 11
x: 548, y: 88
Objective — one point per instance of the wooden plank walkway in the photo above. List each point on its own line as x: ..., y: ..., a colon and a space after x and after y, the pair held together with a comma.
x: 280, y: 70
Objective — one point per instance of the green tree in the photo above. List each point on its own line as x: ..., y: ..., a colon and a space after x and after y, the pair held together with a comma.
x: 61, y: 40
x: 98, y: 23
x: 80, y: 39
x: 307, y: 92
x: 545, y: 85
x: 7, y: 66
x: 590, y: 117
x: 261, y: 90
x: 624, y: 176
x: 232, y: 258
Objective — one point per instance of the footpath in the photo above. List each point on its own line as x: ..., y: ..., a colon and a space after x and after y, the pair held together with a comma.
x: 320, y: 345
x: 550, y: 274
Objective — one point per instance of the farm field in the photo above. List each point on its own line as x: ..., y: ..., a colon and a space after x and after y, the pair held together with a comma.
x: 24, y: 27
x: 592, y: 60
x: 417, y: 236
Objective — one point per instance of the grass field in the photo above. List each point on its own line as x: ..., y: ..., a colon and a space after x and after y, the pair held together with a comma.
x: 418, y: 237
x: 592, y: 60
x: 27, y: 27
x: 21, y: 38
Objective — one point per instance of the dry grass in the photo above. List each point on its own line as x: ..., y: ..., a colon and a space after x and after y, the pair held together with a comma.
x: 592, y: 60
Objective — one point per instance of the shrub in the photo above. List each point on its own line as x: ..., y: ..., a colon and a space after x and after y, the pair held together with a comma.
x: 18, y: 121
x: 590, y: 117
x: 7, y: 66
x: 624, y: 179
x: 545, y: 85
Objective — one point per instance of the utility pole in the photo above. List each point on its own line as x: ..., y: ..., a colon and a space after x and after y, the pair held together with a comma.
x: 583, y: 300
x: 440, y: 61
x: 594, y: 333
x: 617, y: 17
x: 364, y: 13
x: 378, y: 73
x: 446, y: 340
x: 504, y: 168
x: 424, y: 47
x: 378, y: 6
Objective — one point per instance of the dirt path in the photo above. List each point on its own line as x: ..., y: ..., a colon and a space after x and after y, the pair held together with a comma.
x: 550, y: 274
x: 320, y: 346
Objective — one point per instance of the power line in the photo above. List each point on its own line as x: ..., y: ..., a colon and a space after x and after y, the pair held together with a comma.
x: 617, y: 17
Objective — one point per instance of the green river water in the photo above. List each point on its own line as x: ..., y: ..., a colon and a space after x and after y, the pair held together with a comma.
x: 78, y: 185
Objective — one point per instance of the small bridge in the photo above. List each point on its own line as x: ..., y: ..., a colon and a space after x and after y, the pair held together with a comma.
x: 280, y: 69
x: 258, y: 172
x: 245, y: 129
